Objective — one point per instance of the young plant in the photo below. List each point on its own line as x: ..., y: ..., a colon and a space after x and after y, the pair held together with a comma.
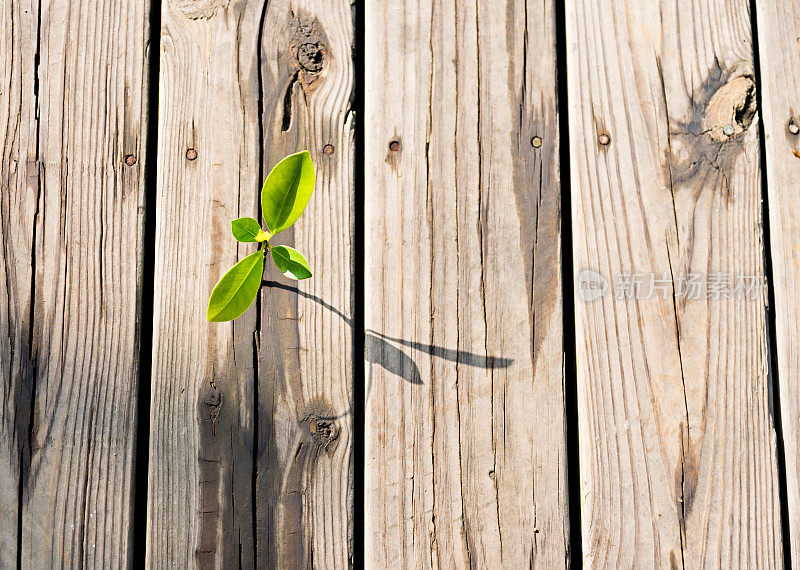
x: 285, y: 194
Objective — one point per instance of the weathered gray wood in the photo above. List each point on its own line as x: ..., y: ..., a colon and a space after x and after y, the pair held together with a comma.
x: 778, y: 30
x: 18, y: 203
x: 677, y: 444
x: 465, y: 447
x: 304, y: 487
x: 74, y: 84
x: 215, y: 79
x: 200, y: 487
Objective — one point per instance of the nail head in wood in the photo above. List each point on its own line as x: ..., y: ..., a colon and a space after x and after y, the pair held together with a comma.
x: 536, y: 142
x: 328, y: 149
x: 604, y: 139
x: 728, y: 130
x: 794, y: 129
x: 130, y: 160
x: 394, y: 146
x: 191, y: 154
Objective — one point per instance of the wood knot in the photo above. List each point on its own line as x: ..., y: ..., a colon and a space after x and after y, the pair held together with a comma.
x: 323, y: 430
x: 731, y: 109
x: 319, y: 425
x: 310, y: 57
x: 213, y: 399
x: 197, y: 9
x: 705, y: 142
x: 309, y: 54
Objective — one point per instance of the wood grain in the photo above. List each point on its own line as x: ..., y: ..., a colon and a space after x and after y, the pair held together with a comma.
x: 677, y: 444
x: 19, y: 177
x: 201, y: 443
x: 74, y: 107
x: 304, y: 484
x: 778, y: 30
x: 465, y: 448
x: 242, y: 85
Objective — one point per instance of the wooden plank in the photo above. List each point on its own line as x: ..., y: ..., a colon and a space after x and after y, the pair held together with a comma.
x: 465, y: 446
x: 201, y: 442
x: 18, y: 202
x: 304, y: 486
x: 677, y: 445
x: 241, y: 106
x: 75, y: 80
x: 778, y: 30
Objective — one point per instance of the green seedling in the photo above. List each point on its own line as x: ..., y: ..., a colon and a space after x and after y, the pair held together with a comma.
x: 285, y: 194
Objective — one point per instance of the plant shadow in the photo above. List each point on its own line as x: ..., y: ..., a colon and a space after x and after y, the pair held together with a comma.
x: 382, y: 350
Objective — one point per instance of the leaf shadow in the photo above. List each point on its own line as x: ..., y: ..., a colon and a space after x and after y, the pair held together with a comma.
x: 381, y: 349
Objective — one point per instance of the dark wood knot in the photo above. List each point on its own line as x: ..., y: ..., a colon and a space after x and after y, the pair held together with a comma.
x: 310, y: 57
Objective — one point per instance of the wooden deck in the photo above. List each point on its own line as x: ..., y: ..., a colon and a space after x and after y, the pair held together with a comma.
x: 554, y: 314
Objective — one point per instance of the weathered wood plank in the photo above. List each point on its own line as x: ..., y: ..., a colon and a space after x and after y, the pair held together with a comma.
x: 200, y: 488
x: 241, y: 105
x: 677, y: 444
x: 778, y: 30
x: 74, y: 107
x: 304, y: 487
x: 465, y: 445
x: 18, y: 202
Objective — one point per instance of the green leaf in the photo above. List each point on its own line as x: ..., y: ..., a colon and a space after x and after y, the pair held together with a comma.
x: 291, y: 262
x: 237, y: 289
x: 287, y: 190
x: 245, y: 229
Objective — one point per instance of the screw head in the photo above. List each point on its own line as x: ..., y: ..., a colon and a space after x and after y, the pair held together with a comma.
x: 130, y: 160
x: 191, y: 154
x: 394, y: 146
x: 728, y: 130
x: 604, y: 139
x: 328, y: 149
x: 536, y: 142
x: 794, y: 129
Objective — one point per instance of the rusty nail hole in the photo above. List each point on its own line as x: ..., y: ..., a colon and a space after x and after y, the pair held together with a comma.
x: 794, y: 129
x: 394, y: 146
x: 130, y: 160
x: 604, y: 139
x: 328, y: 149
x: 191, y: 154
x: 536, y: 142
